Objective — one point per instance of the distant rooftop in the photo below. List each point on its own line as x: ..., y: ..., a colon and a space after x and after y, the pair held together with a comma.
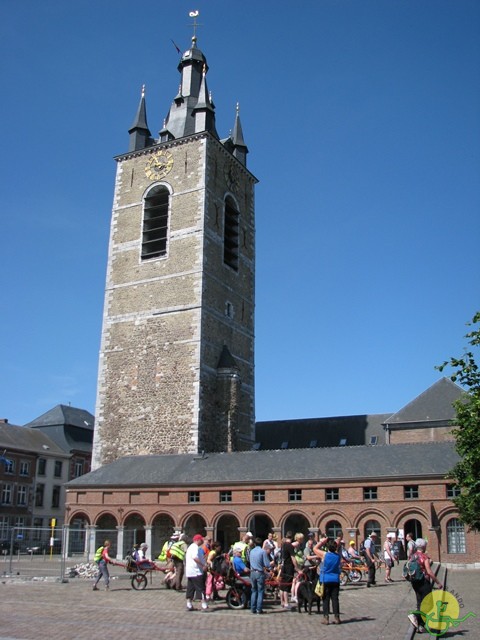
x: 64, y: 415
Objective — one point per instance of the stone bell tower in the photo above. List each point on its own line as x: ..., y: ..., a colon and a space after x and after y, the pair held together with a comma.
x: 176, y: 366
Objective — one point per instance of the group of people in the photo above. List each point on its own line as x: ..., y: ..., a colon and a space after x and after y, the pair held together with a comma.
x: 292, y: 560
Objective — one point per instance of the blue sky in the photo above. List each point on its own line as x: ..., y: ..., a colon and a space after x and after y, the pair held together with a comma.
x: 363, y: 122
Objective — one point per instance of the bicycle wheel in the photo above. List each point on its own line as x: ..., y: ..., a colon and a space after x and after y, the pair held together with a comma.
x: 236, y: 598
x: 139, y: 581
x: 343, y: 578
x: 355, y: 575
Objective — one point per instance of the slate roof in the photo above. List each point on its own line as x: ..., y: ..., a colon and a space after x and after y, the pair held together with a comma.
x: 64, y: 415
x: 435, y: 404
x: 290, y: 465
x: 357, y: 430
x: 71, y: 428
x: 15, y: 438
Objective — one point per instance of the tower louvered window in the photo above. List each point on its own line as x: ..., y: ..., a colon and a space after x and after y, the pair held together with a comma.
x: 155, y: 223
x: 231, y: 235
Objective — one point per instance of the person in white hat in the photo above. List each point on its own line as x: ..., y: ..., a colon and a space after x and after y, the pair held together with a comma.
x: 178, y: 552
x: 388, y: 556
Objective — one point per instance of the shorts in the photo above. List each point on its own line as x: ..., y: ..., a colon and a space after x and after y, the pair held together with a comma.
x: 285, y: 582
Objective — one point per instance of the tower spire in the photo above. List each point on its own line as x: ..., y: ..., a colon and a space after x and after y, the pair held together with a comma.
x: 140, y: 136
x: 204, y: 112
x: 240, y: 149
x: 192, y: 98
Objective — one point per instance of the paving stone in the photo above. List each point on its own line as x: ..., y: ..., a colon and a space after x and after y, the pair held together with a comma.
x: 31, y: 610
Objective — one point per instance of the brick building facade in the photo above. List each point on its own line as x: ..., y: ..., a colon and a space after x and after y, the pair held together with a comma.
x: 386, y: 488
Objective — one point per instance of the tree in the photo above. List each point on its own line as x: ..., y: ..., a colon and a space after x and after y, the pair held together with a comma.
x: 467, y: 432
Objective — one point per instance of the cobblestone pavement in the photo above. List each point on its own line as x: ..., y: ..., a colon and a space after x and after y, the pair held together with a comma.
x: 47, y: 610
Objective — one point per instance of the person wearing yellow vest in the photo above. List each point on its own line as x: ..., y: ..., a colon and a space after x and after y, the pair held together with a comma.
x: 102, y: 559
x: 165, y: 556
x: 243, y: 546
x: 165, y: 552
x: 178, y: 551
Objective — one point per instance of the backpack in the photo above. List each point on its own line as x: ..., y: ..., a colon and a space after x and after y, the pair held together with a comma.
x: 98, y: 555
x: 412, y: 569
x: 220, y: 565
x: 361, y: 549
x: 130, y: 564
x: 165, y: 552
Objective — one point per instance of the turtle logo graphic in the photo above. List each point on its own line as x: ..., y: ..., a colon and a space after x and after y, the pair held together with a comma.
x: 440, y: 610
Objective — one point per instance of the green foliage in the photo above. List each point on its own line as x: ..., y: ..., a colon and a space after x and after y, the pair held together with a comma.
x: 467, y: 434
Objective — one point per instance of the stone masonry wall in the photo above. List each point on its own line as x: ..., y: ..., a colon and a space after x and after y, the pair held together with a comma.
x: 166, y: 320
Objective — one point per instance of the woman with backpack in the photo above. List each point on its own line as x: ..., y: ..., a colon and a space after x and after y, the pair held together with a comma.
x: 424, y: 585
x: 102, y: 559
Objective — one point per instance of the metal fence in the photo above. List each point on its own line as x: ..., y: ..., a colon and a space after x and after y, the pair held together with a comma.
x: 51, y: 552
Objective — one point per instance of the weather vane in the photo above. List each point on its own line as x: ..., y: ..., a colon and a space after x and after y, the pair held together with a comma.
x: 194, y: 15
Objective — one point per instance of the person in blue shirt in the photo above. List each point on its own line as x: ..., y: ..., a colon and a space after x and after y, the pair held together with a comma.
x: 239, y: 565
x: 330, y: 577
x: 259, y: 564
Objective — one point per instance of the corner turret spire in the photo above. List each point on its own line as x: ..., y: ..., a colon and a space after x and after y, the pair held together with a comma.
x: 140, y: 136
x: 240, y: 149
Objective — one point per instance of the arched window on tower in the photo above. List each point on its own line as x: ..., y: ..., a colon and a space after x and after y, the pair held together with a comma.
x: 455, y: 536
x: 155, y: 223
x: 231, y: 234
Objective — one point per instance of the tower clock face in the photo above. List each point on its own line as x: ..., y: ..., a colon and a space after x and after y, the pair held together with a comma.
x: 159, y: 165
x: 232, y: 176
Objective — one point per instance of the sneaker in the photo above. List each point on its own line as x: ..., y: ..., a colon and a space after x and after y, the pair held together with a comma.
x: 107, y: 588
x: 95, y: 588
x: 204, y: 605
x: 294, y: 599
x: 287, y: 606
x: 261, y: 613
x: 189, y: 606
x: 413, y: 619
